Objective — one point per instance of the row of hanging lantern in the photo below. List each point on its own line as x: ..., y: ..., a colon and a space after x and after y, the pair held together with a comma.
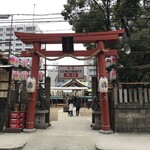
x: 111, y: 74
x: 61, y: 93
x: 57, y: 93
x: 78, y: 93
x: 23, y: 61
x: 23, y: 75
x: 110, y: 66
x: 19, y: 75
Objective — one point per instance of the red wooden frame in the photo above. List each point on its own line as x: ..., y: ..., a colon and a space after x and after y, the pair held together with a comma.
x: 36, y: 52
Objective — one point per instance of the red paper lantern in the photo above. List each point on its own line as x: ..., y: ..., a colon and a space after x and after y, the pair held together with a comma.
x: 112, y: 75
x: 24, y: 75
x: 12, y: 59
x: 41, y: 76
x: 24, y: 62
x: 113, y: 60
x: 15, y: 75
x: 30, y: 62
x: 16, y: 62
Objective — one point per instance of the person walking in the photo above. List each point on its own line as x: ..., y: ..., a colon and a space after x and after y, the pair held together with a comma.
x: 78, y: 106
x: 70, y: 109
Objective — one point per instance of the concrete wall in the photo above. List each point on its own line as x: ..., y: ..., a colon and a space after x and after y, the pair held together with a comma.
x: 127, y: 115
x: 129, y: 119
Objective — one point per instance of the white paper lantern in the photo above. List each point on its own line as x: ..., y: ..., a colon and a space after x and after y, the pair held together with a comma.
x: 103, y: 85
x: 31, y: 84
x: 108, y: 62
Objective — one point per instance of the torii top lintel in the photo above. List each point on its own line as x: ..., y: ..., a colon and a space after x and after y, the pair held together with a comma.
x: 56, y: 38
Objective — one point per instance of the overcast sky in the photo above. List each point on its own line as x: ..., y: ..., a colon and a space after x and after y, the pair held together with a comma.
x: 37, y: 7
x: 26, y: 6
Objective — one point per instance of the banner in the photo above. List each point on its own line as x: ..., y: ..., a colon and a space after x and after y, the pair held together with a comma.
x: 70, y: 72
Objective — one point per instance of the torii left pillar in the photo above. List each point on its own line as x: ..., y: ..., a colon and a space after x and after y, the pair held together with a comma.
x: 31, y: 102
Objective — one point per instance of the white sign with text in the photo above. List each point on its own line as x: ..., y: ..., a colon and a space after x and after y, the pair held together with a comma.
x: 70, y: 72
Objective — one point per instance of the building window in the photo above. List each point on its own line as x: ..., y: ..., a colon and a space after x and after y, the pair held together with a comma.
x: 18, y: 44
x: 28, y: 29
x: 0, y: 41
x: 9, y: 29
x: 27, y: 49
x: 8, y: 39
x: 7, y: 44
x: 17, y: 39
x: 1, y: 29
x: 9, y: 35
x: 18, y: 49
x: 28, y: 45
x: 19, y: 29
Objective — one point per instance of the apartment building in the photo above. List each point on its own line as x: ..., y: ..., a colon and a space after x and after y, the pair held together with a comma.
x: 8, y: 40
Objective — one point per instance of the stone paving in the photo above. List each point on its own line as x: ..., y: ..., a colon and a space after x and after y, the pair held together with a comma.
x: 68, y: 133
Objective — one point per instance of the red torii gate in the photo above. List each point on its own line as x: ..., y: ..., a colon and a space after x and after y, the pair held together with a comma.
x: 37, y: 52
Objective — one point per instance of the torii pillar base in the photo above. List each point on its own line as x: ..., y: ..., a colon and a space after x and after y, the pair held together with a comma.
x: 29, y: 130
x: 106, y: 132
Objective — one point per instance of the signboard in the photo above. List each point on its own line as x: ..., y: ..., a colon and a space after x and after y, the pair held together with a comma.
x: 70, y: 72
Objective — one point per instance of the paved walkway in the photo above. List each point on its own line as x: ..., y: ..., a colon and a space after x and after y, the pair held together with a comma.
x: 73, y: 133
x: 68, y: 133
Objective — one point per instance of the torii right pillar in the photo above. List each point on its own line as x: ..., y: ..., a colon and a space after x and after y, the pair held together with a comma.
x: 104, y: 103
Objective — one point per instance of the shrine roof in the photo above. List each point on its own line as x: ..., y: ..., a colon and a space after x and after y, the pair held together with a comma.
x: 74, y: 82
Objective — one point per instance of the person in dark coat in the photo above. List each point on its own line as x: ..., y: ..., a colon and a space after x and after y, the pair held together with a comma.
x: 78, y: 106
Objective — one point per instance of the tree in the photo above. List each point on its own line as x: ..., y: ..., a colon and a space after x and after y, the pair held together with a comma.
x: 138, y: 26
x: 105, y: 15
x: 88, y: 15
